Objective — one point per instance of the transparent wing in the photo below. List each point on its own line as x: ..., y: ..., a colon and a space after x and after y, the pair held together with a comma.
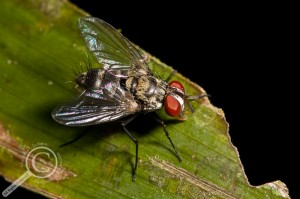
x: 96, y: 106
x: 109, y: 46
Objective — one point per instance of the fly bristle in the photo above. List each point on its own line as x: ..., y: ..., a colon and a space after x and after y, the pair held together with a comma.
x: 88, y: 62
x: 82, y: 67
x: 77, y: 70
x: 71, y: 77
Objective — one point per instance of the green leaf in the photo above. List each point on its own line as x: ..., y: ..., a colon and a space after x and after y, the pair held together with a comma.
x: 40, y: 48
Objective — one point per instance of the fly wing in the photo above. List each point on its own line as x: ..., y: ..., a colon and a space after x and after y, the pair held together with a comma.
x: 95, y: 107
x: 110, y: 47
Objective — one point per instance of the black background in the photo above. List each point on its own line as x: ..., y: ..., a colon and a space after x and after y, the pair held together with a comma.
x: 243, y: 56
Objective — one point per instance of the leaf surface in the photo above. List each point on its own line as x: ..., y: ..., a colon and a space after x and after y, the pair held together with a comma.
x: 40, y: 48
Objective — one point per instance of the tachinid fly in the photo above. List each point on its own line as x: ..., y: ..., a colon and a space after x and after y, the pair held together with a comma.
x: 124, y: 87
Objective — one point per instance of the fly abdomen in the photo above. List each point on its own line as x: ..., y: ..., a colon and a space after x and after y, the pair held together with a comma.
x: 90, y: 79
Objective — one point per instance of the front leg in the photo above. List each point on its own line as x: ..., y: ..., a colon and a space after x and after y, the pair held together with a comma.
x: 168, y: 136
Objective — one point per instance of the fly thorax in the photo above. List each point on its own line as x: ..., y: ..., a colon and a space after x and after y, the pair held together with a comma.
x: 148, y: 89
x: 131, y: 84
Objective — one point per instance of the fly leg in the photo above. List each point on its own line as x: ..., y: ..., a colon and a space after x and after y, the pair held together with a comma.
x: 76, y: 138
x: 194, y: 97
x: 124, y: 123
x: 168, y: 136
x: 171, y: 75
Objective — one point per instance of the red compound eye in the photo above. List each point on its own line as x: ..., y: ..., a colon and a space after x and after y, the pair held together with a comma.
x: 172, y: 106
x: 176, y: 84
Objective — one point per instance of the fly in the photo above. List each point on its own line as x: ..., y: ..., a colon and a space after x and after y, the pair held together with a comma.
x: 123, y: 87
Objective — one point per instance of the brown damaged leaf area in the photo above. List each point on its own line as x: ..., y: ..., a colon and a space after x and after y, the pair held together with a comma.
x: 191, y: 186
x: 21, y: 153
x: 194, y: 186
